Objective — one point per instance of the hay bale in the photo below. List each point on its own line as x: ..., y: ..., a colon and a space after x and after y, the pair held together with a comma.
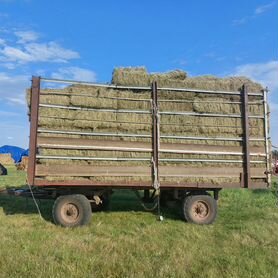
x: 140, y: 77
x: 23, y: 164
x: 6, y: 159
x: 131, y: 76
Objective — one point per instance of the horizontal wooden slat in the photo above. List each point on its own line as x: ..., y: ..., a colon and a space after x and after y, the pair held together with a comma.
x: 135, y: 171
x: 91, y: 171
x: 142, y: 185
x: 91, y: 144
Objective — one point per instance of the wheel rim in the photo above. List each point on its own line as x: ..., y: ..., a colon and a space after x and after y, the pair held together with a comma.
x: 70, y: 213
x: 200, y: 210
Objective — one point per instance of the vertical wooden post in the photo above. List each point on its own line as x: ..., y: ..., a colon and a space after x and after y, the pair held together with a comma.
x: 35, y: 99
x: 246, y: 143
x: 155, y: 136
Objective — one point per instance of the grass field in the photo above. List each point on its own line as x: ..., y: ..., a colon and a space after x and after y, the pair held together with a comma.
x: 128, y: 242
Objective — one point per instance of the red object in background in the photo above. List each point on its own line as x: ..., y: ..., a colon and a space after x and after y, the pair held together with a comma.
x: 276, y: 167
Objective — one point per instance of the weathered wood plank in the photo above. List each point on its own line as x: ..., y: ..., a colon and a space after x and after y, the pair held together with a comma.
x: 135, y: 171
x: 77, y: 143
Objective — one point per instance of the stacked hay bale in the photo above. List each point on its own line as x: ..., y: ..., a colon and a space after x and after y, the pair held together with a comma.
x: 23, y: 164
x: 84, y: 116
x: 6, y: 159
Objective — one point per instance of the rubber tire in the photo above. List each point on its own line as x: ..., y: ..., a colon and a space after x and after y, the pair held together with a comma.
x: 210, y: 202
x: 80, y: 201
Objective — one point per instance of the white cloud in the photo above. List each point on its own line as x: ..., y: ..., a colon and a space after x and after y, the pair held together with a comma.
x: 37, y: 52
x: 264, y: 8
x: 9, y: 66
x: 26, y: 36
x: 16, y: 100
x: 265, y: 73
x: 12, y: 88
x: 240, y: 21
x: 75, y: 73
x: 257, y: 12
x: 2, y: 42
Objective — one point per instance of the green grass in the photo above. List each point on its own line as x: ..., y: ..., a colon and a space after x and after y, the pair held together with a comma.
x: 128, y: 242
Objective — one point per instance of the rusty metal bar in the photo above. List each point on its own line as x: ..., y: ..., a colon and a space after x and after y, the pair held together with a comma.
x: 155, y: 136
x: 246, y: 145
x: 35, y: 99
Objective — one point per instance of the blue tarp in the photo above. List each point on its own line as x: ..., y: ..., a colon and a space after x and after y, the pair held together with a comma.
x: 25, y: 153
x: 15, y: 152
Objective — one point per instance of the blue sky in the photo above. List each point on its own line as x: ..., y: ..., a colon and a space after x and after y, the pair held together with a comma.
x: 85, y: 40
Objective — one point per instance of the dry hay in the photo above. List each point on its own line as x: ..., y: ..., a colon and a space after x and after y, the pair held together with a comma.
x: 140, y: 77
x: 23, y: 164
x: 92, y: 97
x: 6, y: 159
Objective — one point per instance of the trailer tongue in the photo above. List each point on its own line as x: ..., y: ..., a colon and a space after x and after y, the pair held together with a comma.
x: 89, y: 139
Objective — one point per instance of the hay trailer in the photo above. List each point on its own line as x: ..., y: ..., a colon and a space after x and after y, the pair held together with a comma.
x: 88, y: 139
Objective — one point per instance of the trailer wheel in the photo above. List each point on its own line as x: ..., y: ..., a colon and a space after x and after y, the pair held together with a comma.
x: 199, y: 209
x: 72, y: 210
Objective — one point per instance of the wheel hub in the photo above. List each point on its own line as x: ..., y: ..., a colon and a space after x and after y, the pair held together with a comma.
x: 200, y: 210
x: 70, y: 212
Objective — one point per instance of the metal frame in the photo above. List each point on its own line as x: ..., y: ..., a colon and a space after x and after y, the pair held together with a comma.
x: 112, y: 86
x: 155, y: 137
x: 148, y: 112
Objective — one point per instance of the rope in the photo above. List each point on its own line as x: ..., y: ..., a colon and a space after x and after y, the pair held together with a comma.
x: 156, y: 202
x: 35, y: 202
